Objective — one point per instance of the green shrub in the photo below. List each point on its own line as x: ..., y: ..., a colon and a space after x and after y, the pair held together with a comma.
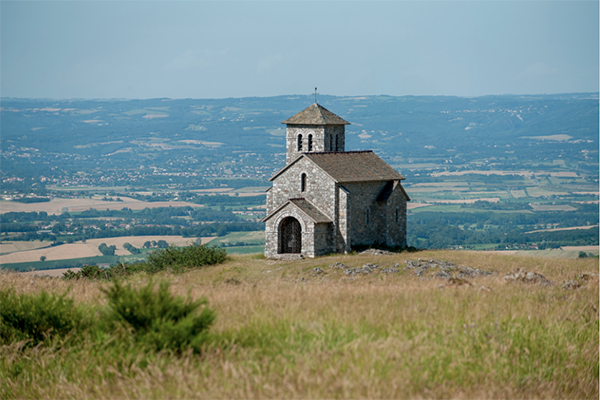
x: 95, y: 272
x: 158, y: 319
x: 107, y: 250
x: 41, y: 317
x: 196, y: 255
x: 174, y: 258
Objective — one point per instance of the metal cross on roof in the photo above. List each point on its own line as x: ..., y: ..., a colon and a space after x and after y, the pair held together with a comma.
x: 315, y: 95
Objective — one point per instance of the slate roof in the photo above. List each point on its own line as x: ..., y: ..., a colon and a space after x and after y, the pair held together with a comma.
x: 305, y: 206
x: 350, y: 166
x: 354, y: 166
x: 310, y: 210
x: 315, y: 115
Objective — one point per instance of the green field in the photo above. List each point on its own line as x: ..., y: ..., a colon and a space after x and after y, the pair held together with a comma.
x: 245, y: 249
x: 249, y: 238
x: 55, y: 264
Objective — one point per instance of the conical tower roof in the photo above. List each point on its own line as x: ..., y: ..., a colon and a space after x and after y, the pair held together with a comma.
x: 315, y: 115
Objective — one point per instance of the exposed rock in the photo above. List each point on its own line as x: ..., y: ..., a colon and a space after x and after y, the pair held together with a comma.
x: 317, y: 271
x: 443, y: 269
x: 376, y: 252
x: 392, y: 270
x: 339, y: 265
x: 587, y: 276
x: 520, y: 275
x: 569, y: 284
x: 365, y: 269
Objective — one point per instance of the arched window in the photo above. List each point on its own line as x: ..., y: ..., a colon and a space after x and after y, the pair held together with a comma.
x: 337, y: 147
x: 303, y: 183
x: 368, y: 217
x: 299, y: 142
x: 310, y: 143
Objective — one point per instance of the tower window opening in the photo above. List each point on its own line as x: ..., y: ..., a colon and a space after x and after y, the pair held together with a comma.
x: 310, y: 146
x: 303, y: 183
x: 396, y: 214
x: 368, y: 217
x: 337, y: 147
x: 299, y: 142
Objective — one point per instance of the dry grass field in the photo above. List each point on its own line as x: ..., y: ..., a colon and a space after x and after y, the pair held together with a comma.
x: 90, y: 248
x: 11, y: 247
x: 286, y: 330
x: 550, y: 207
x: 58, y: 206
x: 571, y: 228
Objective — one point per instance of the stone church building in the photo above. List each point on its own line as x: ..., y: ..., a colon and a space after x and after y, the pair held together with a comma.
x: 326, y: 199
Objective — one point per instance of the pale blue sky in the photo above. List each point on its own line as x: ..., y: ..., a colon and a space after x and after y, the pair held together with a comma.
x: 147, y: 49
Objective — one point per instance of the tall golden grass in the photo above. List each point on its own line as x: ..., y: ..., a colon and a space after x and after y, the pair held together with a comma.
x: 283, y: 331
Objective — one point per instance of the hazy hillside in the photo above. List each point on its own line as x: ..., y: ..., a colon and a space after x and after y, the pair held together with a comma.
x: 506, y: 172
x: 90, y: 133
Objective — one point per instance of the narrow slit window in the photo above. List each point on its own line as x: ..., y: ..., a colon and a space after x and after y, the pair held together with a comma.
x: 396, y: 214
x: 303, y: 183
x: 299, y: 142
x: 368, y: 217
x: 337, y: 147
x: 310, y: 143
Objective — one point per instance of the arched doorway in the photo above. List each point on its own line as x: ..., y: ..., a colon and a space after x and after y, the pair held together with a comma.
x: 290, y: 236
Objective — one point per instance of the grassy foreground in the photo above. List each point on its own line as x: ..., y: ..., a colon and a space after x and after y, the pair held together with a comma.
x: 285, y: 331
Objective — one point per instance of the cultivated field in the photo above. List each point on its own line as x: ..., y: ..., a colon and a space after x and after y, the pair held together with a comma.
x: 286, y: 330
x: 571, y: 228
x: 251, y: 237
x: 58, y: 206
x: 522, y: 173
x: 11, y: 247
x: 90, y: 248
x: 242, y: 192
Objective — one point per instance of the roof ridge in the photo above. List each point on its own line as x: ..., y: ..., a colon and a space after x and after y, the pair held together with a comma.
x: 338, y: 152
x: 315, y: 114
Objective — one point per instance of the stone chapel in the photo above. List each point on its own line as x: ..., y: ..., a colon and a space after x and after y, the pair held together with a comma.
x: 327, y: 200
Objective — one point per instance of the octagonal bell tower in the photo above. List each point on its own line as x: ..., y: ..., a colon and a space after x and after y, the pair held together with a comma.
x: 314, y: 129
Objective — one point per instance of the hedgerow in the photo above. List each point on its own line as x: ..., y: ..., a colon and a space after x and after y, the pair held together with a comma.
x: 172, y: 258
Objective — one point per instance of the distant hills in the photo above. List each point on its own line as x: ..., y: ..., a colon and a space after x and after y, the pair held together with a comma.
x: 506, y: 172
x: 509, y: 132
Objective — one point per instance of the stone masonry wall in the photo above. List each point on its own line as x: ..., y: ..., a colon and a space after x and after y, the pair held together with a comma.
x: 323, y: 139
x: 342, y: 223
x: 271, y: 232
x: 331, y: 133
x: 292, y: 132
x: 320, y: 187
x: 362, y: 200
x: 396, y: 230
x: 323, y: 239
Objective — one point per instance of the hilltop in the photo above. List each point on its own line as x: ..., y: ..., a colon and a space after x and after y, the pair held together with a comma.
x: 289, y: 329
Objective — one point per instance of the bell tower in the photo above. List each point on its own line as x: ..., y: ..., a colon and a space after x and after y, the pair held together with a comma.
x: 314, y: 129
